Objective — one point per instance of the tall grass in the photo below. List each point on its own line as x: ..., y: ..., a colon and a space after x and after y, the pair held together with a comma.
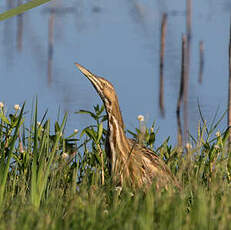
x: 49, y: 181
x: 43, y: 155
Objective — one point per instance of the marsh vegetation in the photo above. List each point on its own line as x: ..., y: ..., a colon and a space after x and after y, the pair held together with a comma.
x: 50, y: 180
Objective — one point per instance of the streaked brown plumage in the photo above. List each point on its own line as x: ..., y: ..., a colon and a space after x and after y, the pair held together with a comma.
x: 130, y: 162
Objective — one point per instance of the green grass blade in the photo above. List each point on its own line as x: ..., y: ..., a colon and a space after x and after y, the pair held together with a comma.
x: 55, y: 145
x: 40, y: 180
x: 43, y: 153
x: 21, y: 9
x: 11, y: 147
x: 34, y: 191
x: 214, y: 117
x: 218, y: 122
x: 202, y: 118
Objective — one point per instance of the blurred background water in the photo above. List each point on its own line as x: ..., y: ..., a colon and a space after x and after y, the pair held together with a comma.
x: 119, y: 40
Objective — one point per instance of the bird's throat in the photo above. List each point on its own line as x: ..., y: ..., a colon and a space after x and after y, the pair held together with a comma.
x: 117, y: 142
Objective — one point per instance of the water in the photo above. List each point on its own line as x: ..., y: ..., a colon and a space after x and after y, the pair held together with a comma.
x: 119, y: 40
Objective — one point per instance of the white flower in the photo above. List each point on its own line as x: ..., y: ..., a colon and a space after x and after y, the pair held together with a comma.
x: 216, y: 147
x: 38, y: 123
x: 105, y: 212
x: 218, y: 133
x: 65, y: 156
x: 1, y: 105
x: 76, y: 131
x: 17, y: 107
x: 188, y: 146
x: 140, y: 118
x: 118, y: 189
x: 131, y: 194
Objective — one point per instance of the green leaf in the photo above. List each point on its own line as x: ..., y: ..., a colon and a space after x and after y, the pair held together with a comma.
x: 13, y: 118
x: 151, y: 139
x: 4, y: 118
x: 100, y: 132
x: 202, y: 118
x: 101, y: 109
x: 84, y: 130
x: 91, y: 134
x: 96, y: 108
x: 87, y: 112
x: 21, y: 9
x: 57, y: 127
x: 132, y: 133
x: 225, y: 135
x: 104, y: 118
x: 34, y: 191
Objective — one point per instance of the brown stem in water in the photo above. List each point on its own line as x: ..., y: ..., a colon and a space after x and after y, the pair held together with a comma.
x: 181, y: 92
x: 162, y: 49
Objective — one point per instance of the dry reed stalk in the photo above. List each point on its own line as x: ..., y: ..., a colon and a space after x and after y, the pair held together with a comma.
x: 185, y: 97
x: 162, y: 49
x: 229, y: 89
x: 181, y: 91
x: 19, y: 29
x: 50, y: 45
x: 201, y: 67
x: 189, y: 18
x: 187, y: 66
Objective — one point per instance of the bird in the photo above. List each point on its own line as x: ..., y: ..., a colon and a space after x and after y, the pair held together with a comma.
x: 131, y: 163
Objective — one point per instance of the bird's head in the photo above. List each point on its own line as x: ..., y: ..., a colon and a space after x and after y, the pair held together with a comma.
x: 107, y: 93
x: 103, y: 87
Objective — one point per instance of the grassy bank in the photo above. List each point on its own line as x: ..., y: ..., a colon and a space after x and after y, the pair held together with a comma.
x: 49, y: 180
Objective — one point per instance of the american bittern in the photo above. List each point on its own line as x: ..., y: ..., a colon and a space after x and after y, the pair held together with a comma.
x: 130, y: 162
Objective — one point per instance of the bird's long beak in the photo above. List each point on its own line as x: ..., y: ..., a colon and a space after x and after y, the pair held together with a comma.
x: 95, y: 81
x: 88, y: 74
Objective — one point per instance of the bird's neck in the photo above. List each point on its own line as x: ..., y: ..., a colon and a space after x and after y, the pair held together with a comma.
x: 116, y: 140
x: 115, y: 123
x: 115, y: 126
x: 114, y: 113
